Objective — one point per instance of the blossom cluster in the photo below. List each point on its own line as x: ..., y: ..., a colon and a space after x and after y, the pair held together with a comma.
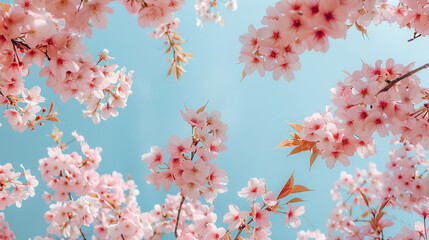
x: 198, y: 221
x: 190, y: 169
x: 189, y: 165
x: 260, y: 213
x: 293, y: 27
x: 84, y: 203
x: 207, y: 10
x: 48, y: 34
x: 367, y: 103
x: 5, y: 232
x: 84, y: 198
x: 153, y: 13
x: 305, y: 235
x: 403, y: 186
x: 12, y: 189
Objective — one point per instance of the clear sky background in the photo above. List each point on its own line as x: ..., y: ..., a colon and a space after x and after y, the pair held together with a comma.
x: 256, y: 110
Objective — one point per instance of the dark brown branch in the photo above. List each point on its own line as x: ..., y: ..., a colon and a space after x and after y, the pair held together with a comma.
x: 83, y: 235
x: 25, y: 46
x: 409, y: 74
x: 416, y: 35
x: 178, y: 216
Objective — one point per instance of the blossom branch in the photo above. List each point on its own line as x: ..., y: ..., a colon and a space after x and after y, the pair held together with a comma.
x: 178, y: 216
x: 83, y: 235
x: 393, y: 82
x: 416, y: 35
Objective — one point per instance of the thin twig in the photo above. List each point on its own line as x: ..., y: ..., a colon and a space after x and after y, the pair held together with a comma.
x: 393, y: 82
x: 416, y: 35
x: 241, y: 229
x: 309, y: 222
x: 83, y: 235
x: 178, y: 216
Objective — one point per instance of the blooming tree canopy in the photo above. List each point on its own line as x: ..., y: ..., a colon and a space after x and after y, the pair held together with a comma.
x: 220, y: 182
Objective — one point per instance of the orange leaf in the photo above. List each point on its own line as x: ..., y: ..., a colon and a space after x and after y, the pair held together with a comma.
x: 294, y: 200
x: 299, y: 188
x: 94, y: 195
x: 243, y: 74
x: 112, y: 203
x: 52, y: 106
x: 176, y: 73
x: 53, y: 119
x: 379, y: 216
x: 294, y: 135
x: 364, y: 197
x: 297, y: 127
x: 171, y: 69
x: 298, y: 149
x: 5, y: 6
x: 362, y: 30
x: 314, y: 156
x: 287, y: 188
x: 188, y: 55
x: 168, y: 50
x: 286, y: 143
x: 384, y: 204
x: 201, y: 109
x: 364, y: 214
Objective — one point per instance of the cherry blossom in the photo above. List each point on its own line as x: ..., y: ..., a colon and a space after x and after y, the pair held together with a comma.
x: 207, y: 10
x: 366, y: 104
x: 292, y: 27
x: 12, y: 189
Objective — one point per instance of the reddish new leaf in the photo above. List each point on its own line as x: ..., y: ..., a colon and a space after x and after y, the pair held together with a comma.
x: 286, y: 143
x: 52, y: 107
x: 243, y: 75
x: 297, y: 127
x: 364, y: 197
x: 201, y: 109
x: 384, y: 204
x: 53, y: 119
x: 294, y: 200
x: 379, y: 216
x: 314, y: 155
x: 286, y: 189
x: 299, y: 188
x: 112, y: 203
x: 298, y: 149
x: 364, y: 214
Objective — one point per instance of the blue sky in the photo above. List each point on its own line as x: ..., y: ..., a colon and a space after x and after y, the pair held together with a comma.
x: 256, y: 110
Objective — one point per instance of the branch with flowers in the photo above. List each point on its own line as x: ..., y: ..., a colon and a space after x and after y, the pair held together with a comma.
x: 49, y: 34
x: 85, y: 204
x: 291, y: 28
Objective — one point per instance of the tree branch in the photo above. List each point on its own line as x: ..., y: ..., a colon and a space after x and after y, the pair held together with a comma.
x: 416, y: 35
x: 178, y: 216
x: 83, y: 235
x: 393, y: 82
